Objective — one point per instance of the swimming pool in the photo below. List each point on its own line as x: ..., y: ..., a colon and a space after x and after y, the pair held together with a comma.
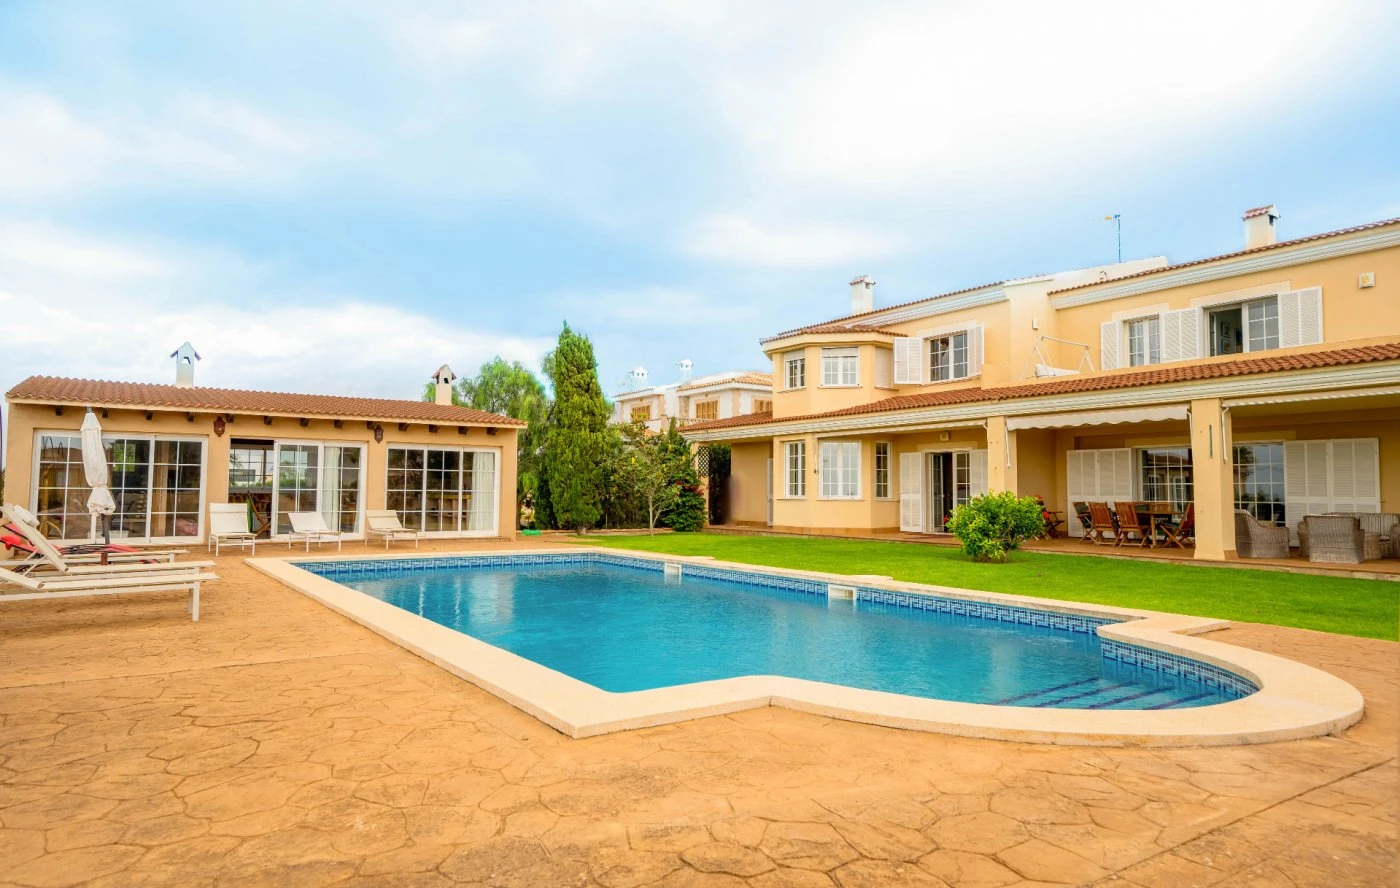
x: 625, y: 624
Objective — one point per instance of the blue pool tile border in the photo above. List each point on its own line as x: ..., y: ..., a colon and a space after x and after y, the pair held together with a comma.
x: 1174, y: 664
x: 1169, y: 664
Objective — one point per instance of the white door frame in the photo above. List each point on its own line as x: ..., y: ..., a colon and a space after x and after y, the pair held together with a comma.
x: 770, y: 491
x: 277, y: 444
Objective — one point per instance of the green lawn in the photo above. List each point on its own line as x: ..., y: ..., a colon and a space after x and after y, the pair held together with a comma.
x: 1368, y: 608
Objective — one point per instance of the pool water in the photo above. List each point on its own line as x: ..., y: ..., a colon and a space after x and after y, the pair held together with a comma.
x: 621, y: 628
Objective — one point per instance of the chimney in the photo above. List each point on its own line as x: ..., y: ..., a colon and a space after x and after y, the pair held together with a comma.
x: 637, y: 378
x: 862, y: 295
x: 687, y: 367
x: 1259, y: 230
x: 442, y: 385
x: 185, y: 356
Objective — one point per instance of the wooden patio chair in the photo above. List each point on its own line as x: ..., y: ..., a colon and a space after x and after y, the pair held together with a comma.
x: 1102, y: 528
x: 1086, y: 521
x: 1131, y: 521
x: 1180, y: 533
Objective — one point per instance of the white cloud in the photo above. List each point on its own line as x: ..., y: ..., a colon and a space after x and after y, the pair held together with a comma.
x: 76, y: 305
x: 441, y: 45
x: 941, y: 94
x: 735, y: 238
x: 54, y: 148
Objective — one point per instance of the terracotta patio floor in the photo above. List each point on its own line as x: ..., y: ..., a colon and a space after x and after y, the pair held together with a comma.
x: 276, y: 743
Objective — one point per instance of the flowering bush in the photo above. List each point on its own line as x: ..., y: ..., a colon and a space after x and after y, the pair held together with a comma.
x: 991, y: 526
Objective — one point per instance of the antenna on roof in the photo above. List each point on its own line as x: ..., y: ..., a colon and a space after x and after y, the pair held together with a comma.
x: 1117, y: 221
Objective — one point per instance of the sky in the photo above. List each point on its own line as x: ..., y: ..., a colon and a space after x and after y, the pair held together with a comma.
x: 339, y: 197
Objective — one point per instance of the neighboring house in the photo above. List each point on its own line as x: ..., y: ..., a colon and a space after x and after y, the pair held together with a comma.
x: 1267, y: 379
x: 716, y: 396
x: 174, y: 449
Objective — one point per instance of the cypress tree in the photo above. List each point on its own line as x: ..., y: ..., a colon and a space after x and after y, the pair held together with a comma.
x: 574, y: 440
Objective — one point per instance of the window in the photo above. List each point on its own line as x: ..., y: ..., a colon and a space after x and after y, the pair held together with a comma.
x: 1166, y: 475
x: 707, y: 410
x: 882, y: 470
x: 156, y: 482
x: 795, y: 459
x: 321, y: 478
x: 641, y: 414
x: 762, y: 405
x: 443, y: 490
x: 795, y: 370
x: 1259, y: 481
x: 1245, y: 327
x: 1144, y: 342
x: 947, y: 358
x: 840, y: 366
x: 840, y: 469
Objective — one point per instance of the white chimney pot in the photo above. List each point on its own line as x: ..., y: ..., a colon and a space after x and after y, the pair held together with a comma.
x: 862, y: 295
x: 1259, y: 227
x: 185, y: 356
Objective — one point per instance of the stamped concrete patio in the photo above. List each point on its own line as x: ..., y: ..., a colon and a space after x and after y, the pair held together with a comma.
x: 276, y: 743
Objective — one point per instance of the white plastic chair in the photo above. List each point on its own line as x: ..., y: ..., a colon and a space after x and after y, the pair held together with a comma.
x: 386, y: 523
x: 311, y: 526
x: 228, y: 526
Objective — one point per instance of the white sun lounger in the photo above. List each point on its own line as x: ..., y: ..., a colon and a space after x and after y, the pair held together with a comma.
x: 386, y: 523
x: 228, y: 526
x: 311, y: 526
x: 60, y: 577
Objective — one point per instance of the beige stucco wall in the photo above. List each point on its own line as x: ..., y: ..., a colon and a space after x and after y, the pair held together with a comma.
x: 1348, y: 311
x: 27, y: 419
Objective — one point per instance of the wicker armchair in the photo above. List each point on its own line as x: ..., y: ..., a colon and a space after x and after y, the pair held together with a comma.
x: 1335, y: 539
x: 1256, y: 540
x: 1384, y: 525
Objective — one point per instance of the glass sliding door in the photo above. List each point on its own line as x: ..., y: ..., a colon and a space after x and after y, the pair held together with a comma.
x: 340, y: 487
x: 315, y: 477
x: 479, y: 486
x: 443, y: 490
x: 157, y: 484
x: 297, y: 480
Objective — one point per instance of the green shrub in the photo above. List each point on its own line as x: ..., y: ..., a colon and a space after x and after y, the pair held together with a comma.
x: 991, y: 526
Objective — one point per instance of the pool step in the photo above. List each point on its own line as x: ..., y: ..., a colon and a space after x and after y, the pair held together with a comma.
x: 1100, y: 693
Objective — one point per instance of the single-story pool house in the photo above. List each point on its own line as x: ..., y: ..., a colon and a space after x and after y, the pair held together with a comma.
x: 448, y: 471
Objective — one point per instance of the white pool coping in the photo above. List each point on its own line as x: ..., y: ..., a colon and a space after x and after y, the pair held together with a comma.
x: 1294, y: 700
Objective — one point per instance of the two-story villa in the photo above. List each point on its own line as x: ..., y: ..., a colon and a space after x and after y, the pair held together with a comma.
x: 715, y: 396
x: 1266, y: 379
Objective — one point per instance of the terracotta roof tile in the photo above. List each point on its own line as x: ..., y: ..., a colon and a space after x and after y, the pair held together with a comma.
x: 60, y: 390
x: 1257, y: 211
x: 1101, y: 382
x: 845, y: 322
x: 1278, y: 246
x: 744, y: 377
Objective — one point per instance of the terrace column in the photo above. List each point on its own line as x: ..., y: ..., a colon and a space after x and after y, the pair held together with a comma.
x: 1212, y: 475
x: 1001, y: 455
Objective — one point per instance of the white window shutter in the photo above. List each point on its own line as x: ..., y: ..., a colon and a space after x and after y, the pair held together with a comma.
x: 1290, y: 329
x: 908, y: 361
x: 1181, y: 335
x: 884, y: 368
x: 1110, y: 343
x: 911, y: 492
x: 977, y: 472
x: 1310, y: 316
x: 974, y: 350
x: 1300, y: 317
x: 1076, y: 491
x: 1116, y: 475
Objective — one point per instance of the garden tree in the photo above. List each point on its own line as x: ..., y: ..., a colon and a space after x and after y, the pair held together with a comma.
x: 621, y: 503
x: 510, y: 389
x: 687, y: 513
x: 992, y: 525
x: 575, y: 434
x: 644, y: 471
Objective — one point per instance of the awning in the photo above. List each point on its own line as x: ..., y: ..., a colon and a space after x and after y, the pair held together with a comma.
x: 1302, y: 397
x: 1099, y: 417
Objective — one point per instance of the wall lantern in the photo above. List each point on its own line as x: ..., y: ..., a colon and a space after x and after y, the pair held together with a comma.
x: 219, y: 426
x: 378, y: 433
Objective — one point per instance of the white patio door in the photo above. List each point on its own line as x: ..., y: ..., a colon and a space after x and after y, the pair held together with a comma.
x: 317, y: 477
x: 770, y: 491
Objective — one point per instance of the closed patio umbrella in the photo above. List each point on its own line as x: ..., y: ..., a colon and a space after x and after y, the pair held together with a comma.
x: 100, y: 501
